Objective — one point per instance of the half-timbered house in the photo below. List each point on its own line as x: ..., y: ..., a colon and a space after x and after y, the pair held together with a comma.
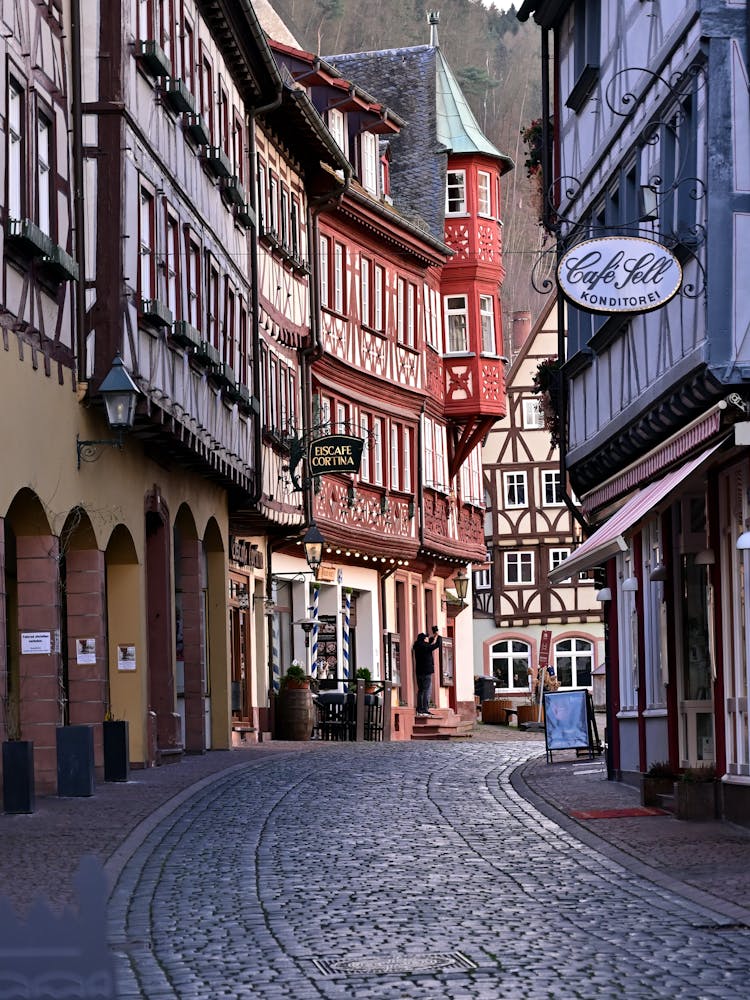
x: 530, y: 530
x: 421, y: 398
x: 650, y: 123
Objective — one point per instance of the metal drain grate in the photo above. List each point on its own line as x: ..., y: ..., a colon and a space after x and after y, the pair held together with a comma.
x: 385, y: 965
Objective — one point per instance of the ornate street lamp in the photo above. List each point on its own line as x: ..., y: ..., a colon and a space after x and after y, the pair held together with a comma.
x: 313, y: 543
x: 120, y: 395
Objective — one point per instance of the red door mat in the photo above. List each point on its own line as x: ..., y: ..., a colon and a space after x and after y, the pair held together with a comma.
x: 616, y: 813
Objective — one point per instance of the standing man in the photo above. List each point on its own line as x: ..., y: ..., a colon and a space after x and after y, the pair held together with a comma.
x: 424, y: 667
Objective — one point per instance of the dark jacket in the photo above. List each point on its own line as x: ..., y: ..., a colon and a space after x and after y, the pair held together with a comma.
x: 423, y: 655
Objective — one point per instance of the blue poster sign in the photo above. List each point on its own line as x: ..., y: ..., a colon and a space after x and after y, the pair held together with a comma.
x: 566, y: 721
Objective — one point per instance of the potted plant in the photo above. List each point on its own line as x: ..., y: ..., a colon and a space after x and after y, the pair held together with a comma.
x: 116, y: 748
x: 294, y: 706
x: 695, y: 793
x: 19, y: 794
x: 657, y: 781
x: 363, y: 673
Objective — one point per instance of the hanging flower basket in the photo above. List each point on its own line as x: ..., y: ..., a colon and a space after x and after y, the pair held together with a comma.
x: 547, y: 381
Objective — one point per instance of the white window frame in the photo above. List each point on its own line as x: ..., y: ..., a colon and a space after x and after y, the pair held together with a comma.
x: 364, y: 427
x: 400, y: 308
x: 338, y: 276
x: 533, y: 418
x: 484, y: 194
x: 44, y: 173
x: 456, y: 324
x: 482, y: 579
x: 16, y: 135
x: 325, y: 291
x: 147, y: 237
x: 377, y: 451
x: 515, y: 483
x: 395, y: 457
x: 575, y: 654
x: 557, y: 556
x: 487, y: 322
x: 337, y: 128
x: 411, y: 295
x: 441, y: 464
x: 518, y: 568
x: 429, y: 452
x: 550, y: 480
x: 378, y: 294
x: 455, y: 192
x: 364, y: 279
x: 502, y: 654
x: 369, y: 151
x: 406, y: 467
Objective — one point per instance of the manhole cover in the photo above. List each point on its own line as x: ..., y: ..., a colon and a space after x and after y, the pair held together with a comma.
x: 384, y: 965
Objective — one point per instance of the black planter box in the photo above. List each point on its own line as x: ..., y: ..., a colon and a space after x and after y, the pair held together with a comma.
x: 116, y: 752
x: 75, y: 761
x: 18, y: 776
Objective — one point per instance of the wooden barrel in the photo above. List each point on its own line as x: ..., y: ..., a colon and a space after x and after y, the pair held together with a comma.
x: 295, y: 714
x: 491, y: 712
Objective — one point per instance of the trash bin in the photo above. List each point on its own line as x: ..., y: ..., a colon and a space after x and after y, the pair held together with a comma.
x: 486, y: 688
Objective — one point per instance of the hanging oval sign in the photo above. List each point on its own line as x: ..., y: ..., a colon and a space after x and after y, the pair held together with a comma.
x: 618, y: 274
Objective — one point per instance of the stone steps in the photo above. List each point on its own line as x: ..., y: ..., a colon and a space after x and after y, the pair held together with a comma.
x: 446, y: 725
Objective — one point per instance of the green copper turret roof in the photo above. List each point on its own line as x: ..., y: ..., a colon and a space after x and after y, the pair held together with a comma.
x: 457, y: 128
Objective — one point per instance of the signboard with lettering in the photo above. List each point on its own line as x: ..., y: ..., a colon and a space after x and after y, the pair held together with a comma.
x: 544, y: 646
x: 619, y: 274
x: 335, y: 453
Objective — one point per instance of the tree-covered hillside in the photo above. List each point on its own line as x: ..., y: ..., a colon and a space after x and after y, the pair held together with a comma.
x: 495, y: 58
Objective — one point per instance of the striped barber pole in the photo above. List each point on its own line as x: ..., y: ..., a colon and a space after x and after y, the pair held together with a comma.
x: 276, y: 652
x: 347, y: 626
x: 314, y: 651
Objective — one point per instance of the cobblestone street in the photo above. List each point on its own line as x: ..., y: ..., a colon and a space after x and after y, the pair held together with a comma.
x: 404, y: 870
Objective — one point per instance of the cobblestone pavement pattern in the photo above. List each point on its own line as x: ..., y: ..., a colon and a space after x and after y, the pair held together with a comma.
x: 401, y: 871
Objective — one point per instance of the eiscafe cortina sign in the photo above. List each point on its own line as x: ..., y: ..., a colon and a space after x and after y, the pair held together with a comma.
x: 617, y: 274
x: 335, y: 453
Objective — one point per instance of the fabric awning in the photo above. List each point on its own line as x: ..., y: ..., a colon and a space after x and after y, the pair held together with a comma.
x: 608, y: 540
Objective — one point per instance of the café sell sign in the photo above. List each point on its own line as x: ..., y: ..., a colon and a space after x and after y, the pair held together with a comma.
x: 619, y: 274
x: 335, y: 453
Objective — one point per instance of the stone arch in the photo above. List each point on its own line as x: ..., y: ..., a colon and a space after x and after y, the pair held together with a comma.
x: 192, y: 681
x: 30, y: 631
x: 83, y: 626
x: 160, y: 627
x: 126, y: 687
x: 217, y: 630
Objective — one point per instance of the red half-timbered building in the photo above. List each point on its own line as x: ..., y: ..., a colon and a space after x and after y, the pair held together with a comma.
x: 409, y: 360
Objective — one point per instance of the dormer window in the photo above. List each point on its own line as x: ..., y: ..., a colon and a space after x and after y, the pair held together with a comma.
x: 370, y: 164
x: 455, y: 195
x: 337, y: 128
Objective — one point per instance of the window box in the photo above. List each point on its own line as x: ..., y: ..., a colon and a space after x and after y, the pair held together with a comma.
x: 217, y: 161
x: 186, y: 335
x: 208, y: 354
x: 153, y: 58
x: 60, y: 264
x: 245, y: 215
x: 225, y: 374
x: 177, y: 95
x: 155, y: 312
x: 196, y: 127
x: 25, y: 235
x: 233, y: 191
x: 583, y: 87
x: 242, y: 395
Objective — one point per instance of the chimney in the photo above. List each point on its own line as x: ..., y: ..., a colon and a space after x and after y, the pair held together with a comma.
x: 521, y: 330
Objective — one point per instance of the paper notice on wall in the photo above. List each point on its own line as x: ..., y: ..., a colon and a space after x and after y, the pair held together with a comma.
x: 126, y: 657
x: 36, y: 642
x: 85, y: 651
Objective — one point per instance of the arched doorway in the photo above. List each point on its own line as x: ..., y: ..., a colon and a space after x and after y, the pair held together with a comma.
x: 191, y: 652
x: 31, y: 646
x: 83, y: 685
x: 127, y: 690
x: 159, y: 627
